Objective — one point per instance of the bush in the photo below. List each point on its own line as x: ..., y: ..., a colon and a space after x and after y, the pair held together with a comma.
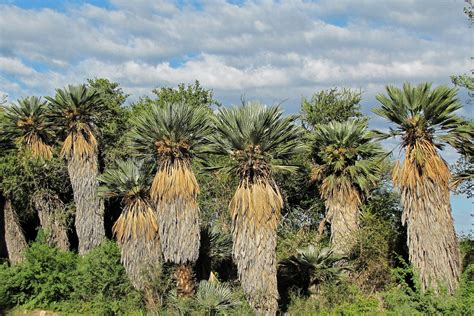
x: 62, y: 281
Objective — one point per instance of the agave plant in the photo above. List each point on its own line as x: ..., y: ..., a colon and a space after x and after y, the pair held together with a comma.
x: 257, y: 139
x: 74, y: 112
x: 346, y: 164
x: 171, y: 136
x: 425, y: 121
x: 136, y: 229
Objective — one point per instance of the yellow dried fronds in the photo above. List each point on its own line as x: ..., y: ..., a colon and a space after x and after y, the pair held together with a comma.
x: 80, y: 144
x: 344, y: 196
x: 422, y: 162
x: 138, y: 220
x: 36, y: 147
x: 175, y: 180
x: 260, y: 202
x: 316, y: 173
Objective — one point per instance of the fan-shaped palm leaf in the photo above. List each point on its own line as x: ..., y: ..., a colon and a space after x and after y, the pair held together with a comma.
x: 425, y: 119
x: 136, y: 228
x: 26, y: 124
x: 346, y: 163
x: 258, y: 139
x: 74, y: 111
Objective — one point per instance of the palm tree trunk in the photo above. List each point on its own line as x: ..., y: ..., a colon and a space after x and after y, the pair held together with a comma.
x: 14, y: 238
x: 52, y: 216
x: 255, y: 254
x: 90, y: 229
x: 184, y: 280
x: 432, y: 242
x: 344, y: 221
x: 140, y: 257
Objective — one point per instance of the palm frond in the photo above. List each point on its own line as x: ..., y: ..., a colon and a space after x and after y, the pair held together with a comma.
x: 27, y: 125
x: 74, y: 112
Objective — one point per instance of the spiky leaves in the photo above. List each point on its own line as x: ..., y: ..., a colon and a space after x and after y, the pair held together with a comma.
x: 26, y: 124
x: 257, y: 139
x: 136, y: 228
x: 346, y: 164
x: 74, y: 112
x: 424, y: 119
x: 171, y: 135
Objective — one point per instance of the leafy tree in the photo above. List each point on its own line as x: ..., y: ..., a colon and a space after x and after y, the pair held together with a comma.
x: 75, y: 112
x: 425, y: 121
x: 258, y: 139
x: 136, y: 228
x: 346, y: 164
x: 330, y: 105
x: 170, y: 136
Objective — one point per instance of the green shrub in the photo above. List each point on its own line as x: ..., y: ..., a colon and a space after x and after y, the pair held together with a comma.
x: 62, y: 281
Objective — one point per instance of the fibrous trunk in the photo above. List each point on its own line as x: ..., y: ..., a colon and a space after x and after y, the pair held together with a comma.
x: 83, y: 172
x: 433, y: 248
x: 184, y: 280
x: 53, y: 220
x: 344, y: 221
x: 14, y: 238
x: 174, y: 192
x: 432, y: 242
x: 255, y: 211
x: 141, y: 257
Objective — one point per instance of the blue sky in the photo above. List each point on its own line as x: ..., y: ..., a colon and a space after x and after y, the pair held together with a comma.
x: 266, y: 50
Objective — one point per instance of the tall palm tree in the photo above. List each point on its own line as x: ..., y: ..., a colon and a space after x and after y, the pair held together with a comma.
x: 425, y: 121
x: 136, y: 228
x: 74, y: 112
x: 257, y: 139
x: 26, y: 125
x: 171, y: 136
x: 346, y: 163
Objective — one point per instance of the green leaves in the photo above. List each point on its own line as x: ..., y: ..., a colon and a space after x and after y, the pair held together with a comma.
x: 129, y: 178
x: 174, y: 130
x: 420, y: 112
x: 254, y: 134
x: 345, y: 153
x: 75, y: 108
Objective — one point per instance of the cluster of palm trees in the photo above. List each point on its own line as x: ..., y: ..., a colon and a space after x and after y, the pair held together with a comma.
x: 160, y: 219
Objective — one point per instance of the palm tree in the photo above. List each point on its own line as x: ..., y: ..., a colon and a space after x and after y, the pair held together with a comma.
x: 74, y: 112
x: 26, y: 125
x: 346, y: 165
x: 170, y: 136
x: 257, y: 139
x: 136, y: 228
x: 424, y: 122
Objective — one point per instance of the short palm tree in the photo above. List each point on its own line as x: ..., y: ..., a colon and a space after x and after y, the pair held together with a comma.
x: 346, y: 164
x: 26, y: 125
x: 170, y: 136
x: 74, y: 112
x: 424, y: 121
x: 136, y: 228
x: 258, y: 139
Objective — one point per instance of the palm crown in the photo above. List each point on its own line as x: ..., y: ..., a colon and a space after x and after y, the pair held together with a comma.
x: 130, y: 182
x: 27, y: 125
x: 257, y: 138
x: 74, y: 111
x: 345, y: 157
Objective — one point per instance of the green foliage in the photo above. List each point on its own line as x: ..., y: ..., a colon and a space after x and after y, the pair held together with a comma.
x: 330, y: 105
x: 180, y: 129
x: 215, y: 297
x: 257, y: 137
x: 57, y: 280
x: 345, y: 156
